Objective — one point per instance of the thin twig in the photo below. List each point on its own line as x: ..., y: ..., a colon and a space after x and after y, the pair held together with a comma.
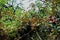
x: 32, y: 38
x: 38, y: 35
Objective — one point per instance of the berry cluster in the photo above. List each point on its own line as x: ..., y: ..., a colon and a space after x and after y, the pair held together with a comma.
x: 52, y: 19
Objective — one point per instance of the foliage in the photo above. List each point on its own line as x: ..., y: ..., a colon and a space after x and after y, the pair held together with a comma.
x: 17, y: 24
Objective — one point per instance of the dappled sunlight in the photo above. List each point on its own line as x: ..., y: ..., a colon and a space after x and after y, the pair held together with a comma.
x: 29, y: 20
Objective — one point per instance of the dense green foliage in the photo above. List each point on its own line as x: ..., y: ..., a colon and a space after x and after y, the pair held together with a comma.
x: 17, y: 24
